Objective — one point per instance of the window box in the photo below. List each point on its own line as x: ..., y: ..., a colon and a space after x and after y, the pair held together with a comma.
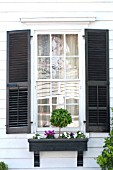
x: 37, y: 145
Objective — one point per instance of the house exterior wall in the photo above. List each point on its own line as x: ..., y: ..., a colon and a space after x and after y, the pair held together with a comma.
x: 18, y: 15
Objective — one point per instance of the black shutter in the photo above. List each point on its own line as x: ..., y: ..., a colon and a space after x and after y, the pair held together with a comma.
x: 97, y: 80
x: 18, y: 82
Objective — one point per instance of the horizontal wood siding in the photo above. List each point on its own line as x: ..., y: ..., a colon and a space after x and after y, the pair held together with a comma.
x: 14, y: 149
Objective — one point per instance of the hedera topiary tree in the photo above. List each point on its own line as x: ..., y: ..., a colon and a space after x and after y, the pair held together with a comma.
x: 105, y: 160
x: 60, y: 118
x: 3, y: 166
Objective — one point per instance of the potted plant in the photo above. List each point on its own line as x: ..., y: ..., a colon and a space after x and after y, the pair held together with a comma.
x: 60, y: 118
x: 3, y: 166
x: 68, y: 141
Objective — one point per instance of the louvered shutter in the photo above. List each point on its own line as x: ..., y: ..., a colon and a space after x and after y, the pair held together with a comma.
x: 18, y: 81
x: 97, y: 80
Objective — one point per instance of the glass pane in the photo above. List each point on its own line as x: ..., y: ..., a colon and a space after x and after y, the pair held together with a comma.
x: 74, y: 110
x: 43, y: 101
x: 57, y: 44
x: 58, y: 94
x: 58, y: 88
x: 43, y: 42
x: 57, y: 67
x: 71, y: 44
x: 43, y: 89
x: 43, y: 67
x: 54, y: 100
x: 43, y: 116
x: 72, y: 65
x: 71, y: 101
x: 54, y: 107
x: 72, y: 89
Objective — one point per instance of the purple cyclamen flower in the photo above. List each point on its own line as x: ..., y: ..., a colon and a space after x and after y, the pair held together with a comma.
x: 71, y: 134
x: 49, y: 132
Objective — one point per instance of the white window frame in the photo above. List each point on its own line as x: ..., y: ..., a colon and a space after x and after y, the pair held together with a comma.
x: 58, y: 28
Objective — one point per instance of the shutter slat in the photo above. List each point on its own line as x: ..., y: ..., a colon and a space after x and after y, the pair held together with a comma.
x: 97, y: 80
x: 18, y: 81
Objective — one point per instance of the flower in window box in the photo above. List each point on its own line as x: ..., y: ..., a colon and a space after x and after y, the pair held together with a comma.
x: 36, y: 136
x: 80, y: 135
x: 67, y: 135
x: 72, y: 135
x: 50, y: 134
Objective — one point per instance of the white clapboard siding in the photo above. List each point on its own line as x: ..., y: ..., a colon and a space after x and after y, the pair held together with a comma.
x: 13, y: 143
x: 59, y: 162
x: 95, y: 142
x: 54, y: 1
x: 92, y: 152
x: 111, y: 53
x: 27, y: 7
x: 2, y: 55
x: 3, y: 114
x: 90, y: 162
x: 19, y: 163
x: 2, y: 104
x: 3, y: 93
x: 2, y: 45
x: 58, y: 154
x: 15, y: 153
x: 31, y: 14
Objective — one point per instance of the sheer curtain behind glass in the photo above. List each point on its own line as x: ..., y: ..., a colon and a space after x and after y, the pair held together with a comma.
x: 57, y: 76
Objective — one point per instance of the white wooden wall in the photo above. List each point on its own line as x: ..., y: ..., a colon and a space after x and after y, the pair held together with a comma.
x: 14, y: 149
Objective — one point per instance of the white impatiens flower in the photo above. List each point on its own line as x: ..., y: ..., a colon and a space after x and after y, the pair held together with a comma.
x: 65, y: 133
x: 75, y: 135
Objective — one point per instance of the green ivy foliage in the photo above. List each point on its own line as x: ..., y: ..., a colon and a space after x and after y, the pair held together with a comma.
x: 60, y: 118
x: 105, y: 160
x: 3, y: 166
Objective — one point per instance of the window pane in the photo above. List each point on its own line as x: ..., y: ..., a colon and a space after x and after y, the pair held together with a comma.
x: 57, y: 67
x: 74, y: 110
x: 72, y: 89
x: 72, y: 68
x: 71, y: 44
x: 43, y: 67
x: 58, y: 88
x: 43, y: 101
x: 58, y: 94
x: 43, y: 116
x: 43, y: 45
x: 43, y: 89
x: 57, y: 44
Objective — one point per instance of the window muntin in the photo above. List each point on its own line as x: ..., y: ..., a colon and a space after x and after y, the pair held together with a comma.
x: 57, y: 76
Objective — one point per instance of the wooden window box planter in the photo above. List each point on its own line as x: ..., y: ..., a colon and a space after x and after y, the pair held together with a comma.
x: 37, y: 145
x: 79, y: 145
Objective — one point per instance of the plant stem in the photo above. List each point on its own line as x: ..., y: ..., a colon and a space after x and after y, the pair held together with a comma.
x: 59, y: 131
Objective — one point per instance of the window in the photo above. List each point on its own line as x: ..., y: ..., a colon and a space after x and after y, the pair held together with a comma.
x: 57, y: 76
x: 60, y: 79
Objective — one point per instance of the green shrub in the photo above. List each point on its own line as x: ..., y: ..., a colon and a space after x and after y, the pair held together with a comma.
x: 3, y: 166
x: 105, y: 160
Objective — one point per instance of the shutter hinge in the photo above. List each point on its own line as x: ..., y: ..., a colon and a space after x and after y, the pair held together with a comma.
x: 31, y: 36
x: 83, y: 36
